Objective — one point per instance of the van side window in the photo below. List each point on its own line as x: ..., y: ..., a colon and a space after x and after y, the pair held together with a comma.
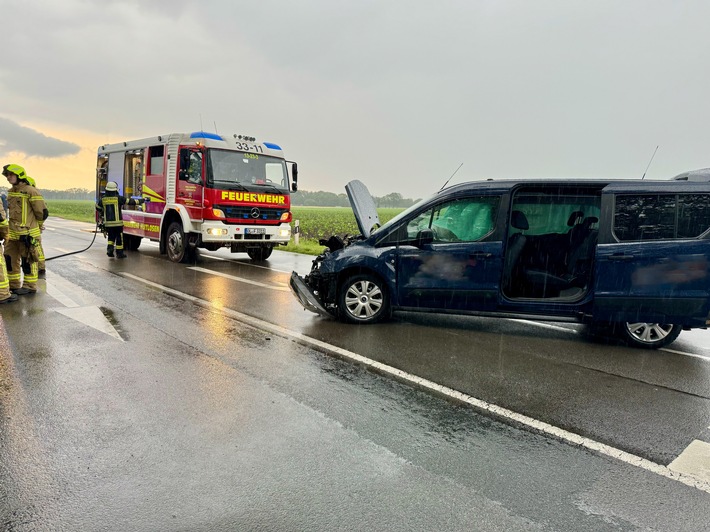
x: 461, y: 220
x: 661, y: 216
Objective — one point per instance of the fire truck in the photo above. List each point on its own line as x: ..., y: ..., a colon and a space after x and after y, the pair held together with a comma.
x: 202, y: 190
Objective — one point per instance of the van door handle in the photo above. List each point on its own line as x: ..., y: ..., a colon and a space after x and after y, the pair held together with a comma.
x: 621, y: 257
x: 480, y: 255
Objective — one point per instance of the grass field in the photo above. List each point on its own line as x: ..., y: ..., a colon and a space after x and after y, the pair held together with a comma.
x: 314, y: 222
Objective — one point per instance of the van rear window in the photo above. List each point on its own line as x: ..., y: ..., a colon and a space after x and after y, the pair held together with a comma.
x: 661, y: 216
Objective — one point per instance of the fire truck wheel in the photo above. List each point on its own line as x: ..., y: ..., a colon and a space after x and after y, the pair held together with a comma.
x: 259, y: 254
x: 131, y: 242
x: 176, y: 244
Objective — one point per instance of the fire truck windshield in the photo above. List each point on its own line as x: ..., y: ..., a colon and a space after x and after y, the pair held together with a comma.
x: 232, y: 169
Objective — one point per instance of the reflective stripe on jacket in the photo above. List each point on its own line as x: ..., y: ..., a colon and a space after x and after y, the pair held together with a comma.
x: 26, y: 206
x: 110, y: 207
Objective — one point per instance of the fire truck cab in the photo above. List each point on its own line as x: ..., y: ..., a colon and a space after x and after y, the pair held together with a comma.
x: 202, y: 190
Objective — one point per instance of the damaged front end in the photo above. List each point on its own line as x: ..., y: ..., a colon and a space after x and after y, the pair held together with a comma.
x: 317, y: 291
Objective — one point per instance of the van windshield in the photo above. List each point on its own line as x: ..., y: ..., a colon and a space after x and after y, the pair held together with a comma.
x: 232, y: 169
x: 400, y: 216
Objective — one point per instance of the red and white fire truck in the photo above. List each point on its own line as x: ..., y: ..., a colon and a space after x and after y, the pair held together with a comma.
x: 202, y: 190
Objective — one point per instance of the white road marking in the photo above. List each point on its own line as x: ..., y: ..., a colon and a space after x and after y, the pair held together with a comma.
x: 91, y: 316
x: 79, y: 305
x: 701, y: 357
x: 572, y: 331
x: 281, y: 288
x: 695, y: 460
x: 687, y: 478
x: 215, y: 257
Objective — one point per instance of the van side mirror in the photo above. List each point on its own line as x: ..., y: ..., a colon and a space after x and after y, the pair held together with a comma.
x: 424, y: 237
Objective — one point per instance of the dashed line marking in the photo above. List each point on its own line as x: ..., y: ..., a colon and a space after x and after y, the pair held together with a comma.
x: 694, y: 460
x: 701, y: 357
x: 687, y: 478
x: 572, y: 331
x: 281, y: 288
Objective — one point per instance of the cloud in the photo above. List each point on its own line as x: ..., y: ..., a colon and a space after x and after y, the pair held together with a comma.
x: 395, y: 93
x: 16, y: 138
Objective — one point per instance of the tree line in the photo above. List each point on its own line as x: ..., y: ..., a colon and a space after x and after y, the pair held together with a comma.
x: 302, y: 198
x: 68, y: 194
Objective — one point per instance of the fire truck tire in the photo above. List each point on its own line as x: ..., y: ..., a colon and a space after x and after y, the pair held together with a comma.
x: 131, y: 242
x: 259, y: 254
x: 176, y: 243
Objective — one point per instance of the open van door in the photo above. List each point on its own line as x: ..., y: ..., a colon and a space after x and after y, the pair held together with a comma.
x: 652, y: 263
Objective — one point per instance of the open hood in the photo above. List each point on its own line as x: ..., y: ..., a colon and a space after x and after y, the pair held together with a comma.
x: 363, y: 207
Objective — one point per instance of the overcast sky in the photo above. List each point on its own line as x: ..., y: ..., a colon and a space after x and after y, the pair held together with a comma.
x: 395, y: 93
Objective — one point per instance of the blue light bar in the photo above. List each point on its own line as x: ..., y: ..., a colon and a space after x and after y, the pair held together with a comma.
x: 272, y: 146
x: 205, y: 135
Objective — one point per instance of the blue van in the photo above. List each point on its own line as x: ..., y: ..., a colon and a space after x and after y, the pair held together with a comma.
x: 632, y: 257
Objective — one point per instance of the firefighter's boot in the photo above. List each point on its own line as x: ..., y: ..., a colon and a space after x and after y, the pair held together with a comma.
x: 109, y: 251
x: 120, y: 254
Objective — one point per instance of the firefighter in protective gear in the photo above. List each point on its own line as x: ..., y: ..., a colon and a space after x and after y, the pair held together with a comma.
x: 5, y: 295
x: 109, y: 209
x: 40, y: 249
x: 27, y: 214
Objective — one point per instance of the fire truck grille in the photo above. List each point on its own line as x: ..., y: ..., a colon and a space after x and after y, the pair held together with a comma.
x: 250, y: 213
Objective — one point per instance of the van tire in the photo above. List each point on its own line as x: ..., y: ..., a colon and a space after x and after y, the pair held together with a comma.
x: 363, y: 299
x: 647, y: 335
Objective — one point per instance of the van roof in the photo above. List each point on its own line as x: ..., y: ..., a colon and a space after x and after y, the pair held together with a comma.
x: 617, y: 184
x: 702, y: 174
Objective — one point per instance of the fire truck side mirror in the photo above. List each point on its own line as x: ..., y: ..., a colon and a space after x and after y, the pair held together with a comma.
x: 294, y: 176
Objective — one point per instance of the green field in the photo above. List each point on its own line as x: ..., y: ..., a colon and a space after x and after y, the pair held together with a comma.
x: 314, y: 222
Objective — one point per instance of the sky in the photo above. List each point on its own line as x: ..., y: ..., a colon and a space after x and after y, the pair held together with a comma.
x: 395, y: 93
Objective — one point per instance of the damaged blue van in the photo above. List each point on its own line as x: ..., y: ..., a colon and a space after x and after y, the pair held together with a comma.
x: 629, y: 256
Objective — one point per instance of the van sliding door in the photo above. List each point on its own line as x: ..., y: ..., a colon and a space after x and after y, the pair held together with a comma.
x: 652, y: 262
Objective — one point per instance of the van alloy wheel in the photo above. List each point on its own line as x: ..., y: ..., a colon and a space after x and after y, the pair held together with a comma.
x: 649, y: 335
x: 363, y: 298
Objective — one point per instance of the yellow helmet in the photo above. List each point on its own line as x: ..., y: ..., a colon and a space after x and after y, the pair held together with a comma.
x: 30, y: 180
x: 13, y: 169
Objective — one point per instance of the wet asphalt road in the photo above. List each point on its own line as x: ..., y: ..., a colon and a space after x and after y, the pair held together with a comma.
x: 124, y: 407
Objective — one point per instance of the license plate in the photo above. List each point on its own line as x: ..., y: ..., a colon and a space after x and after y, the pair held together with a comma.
x: 255, y: 230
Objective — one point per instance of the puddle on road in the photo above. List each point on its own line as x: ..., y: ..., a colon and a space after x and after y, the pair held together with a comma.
x: 111, y: 318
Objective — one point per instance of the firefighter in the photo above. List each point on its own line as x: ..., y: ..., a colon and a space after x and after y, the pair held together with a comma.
x: 41, y: 272
x: 109, y: 209
x: 27, y: 214
x: 5, y: 295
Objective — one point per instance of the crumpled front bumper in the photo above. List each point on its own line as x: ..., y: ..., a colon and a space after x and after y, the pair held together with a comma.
x: 305, y: 296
